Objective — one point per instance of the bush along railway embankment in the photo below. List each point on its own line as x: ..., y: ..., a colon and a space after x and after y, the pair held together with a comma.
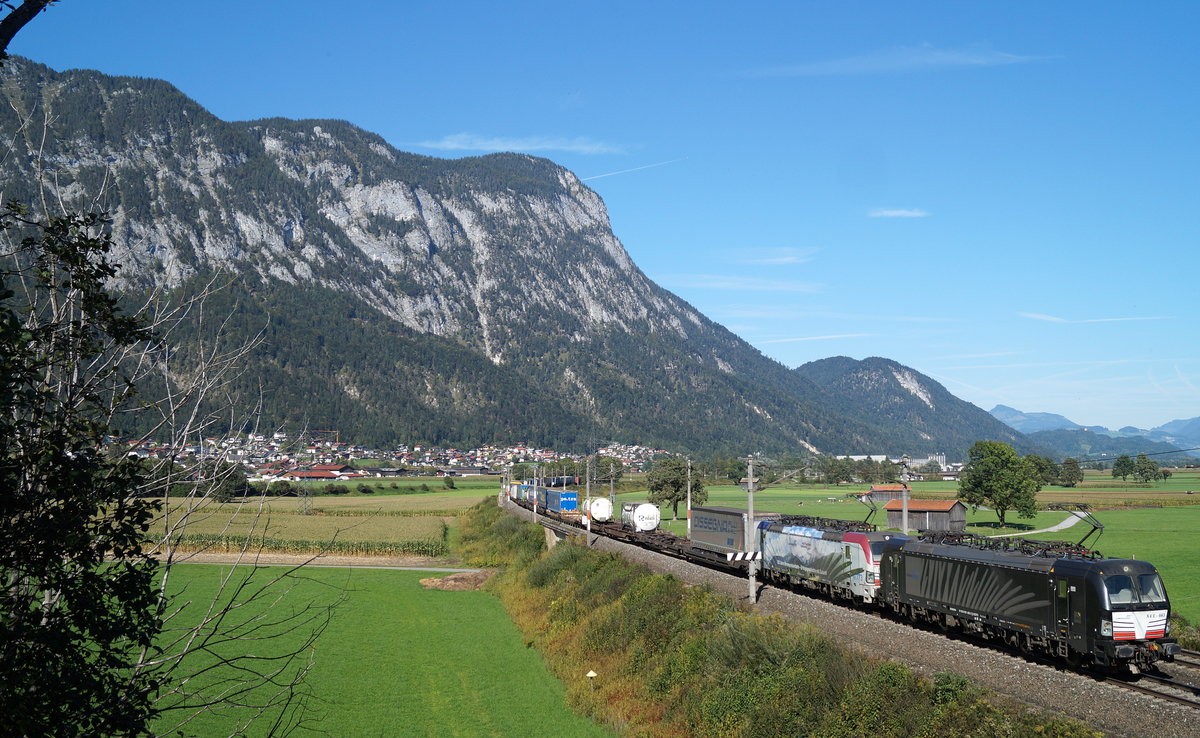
x: 671, y: 658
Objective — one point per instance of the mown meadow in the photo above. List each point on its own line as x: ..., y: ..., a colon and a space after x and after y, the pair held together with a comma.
x: 395, y: 660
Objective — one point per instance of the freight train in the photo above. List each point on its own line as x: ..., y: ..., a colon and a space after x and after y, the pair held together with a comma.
x: 1051, y: 598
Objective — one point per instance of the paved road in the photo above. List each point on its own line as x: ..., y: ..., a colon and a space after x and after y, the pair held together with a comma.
x: 1072, y: 519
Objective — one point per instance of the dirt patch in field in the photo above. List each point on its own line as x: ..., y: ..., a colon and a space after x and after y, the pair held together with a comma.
x: 461, y: 582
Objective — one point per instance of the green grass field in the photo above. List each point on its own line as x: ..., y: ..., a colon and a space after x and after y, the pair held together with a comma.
x: 473, y: 486
x: 400, y: 660
x: 1166, y: 537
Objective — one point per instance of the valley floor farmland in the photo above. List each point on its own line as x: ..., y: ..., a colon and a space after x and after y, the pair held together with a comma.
x: 398, y: 659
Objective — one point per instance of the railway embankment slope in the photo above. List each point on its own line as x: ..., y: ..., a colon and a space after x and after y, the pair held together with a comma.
x: 1106, y: 707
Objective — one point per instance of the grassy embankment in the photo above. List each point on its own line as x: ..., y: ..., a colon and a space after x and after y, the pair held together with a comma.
x: 395, y: 659
x: 672, y: 659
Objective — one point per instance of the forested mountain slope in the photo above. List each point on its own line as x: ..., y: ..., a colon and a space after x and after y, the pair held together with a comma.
x: 915, y: 410
x: 406, y: 297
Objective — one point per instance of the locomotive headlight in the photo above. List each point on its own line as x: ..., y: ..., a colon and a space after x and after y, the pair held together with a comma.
x: 1106, y: 628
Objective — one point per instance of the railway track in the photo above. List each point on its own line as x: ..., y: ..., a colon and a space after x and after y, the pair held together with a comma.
x: 1188, y: 658
x: 1161, y: 686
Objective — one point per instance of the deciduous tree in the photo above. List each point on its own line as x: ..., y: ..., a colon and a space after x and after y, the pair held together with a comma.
x: 92, y: 642
x: 1145, y: 469
x: 608, y: 469
x: 1123, y: 467
x: 72, y: 628
x: 1069, y: 474
x: 997, y: 477
x: 668, y: 484
x: 1046, y: 468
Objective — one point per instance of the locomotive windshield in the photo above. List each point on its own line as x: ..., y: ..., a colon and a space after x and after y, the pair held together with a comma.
x: 1139, y: 589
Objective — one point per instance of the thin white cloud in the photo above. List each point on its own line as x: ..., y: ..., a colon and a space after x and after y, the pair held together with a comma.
x: 898, y: 59
x: 741, y: 311
x: 776, y: 256
x: 1054, y: 319
x: 898, y: 213
x: 979, y: 356
x: 734, y: 282
x: 635, y: 169
x: 1040, y: 365
x: 816, y: 338
x: 473, y: 142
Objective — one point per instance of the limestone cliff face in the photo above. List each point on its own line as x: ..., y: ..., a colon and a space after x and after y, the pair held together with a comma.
x: 475, y: 248
x: 503, y: 267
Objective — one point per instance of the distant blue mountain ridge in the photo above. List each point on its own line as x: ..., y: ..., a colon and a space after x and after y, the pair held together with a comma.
x: 1180, y: 434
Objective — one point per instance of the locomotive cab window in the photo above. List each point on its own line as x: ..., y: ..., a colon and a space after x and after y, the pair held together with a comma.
x: 1143, y: 589
x: 1151, y: 589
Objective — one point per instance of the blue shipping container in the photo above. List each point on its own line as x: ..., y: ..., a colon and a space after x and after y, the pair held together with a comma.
x: 558, y: 501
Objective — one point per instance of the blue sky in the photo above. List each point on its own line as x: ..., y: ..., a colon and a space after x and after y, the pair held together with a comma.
x: 1002, y: 196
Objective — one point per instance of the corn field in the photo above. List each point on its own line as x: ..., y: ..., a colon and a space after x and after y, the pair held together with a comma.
x: 280, y: 529
x: 393, y: 513
x: 234, y: 544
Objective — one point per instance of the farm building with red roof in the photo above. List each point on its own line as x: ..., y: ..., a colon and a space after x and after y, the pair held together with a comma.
x: 948, y: 516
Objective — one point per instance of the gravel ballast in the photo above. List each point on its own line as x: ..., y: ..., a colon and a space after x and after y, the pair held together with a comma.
x: 1105, y: 707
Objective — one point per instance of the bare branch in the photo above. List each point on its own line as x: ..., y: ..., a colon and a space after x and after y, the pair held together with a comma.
x: 16, y: 20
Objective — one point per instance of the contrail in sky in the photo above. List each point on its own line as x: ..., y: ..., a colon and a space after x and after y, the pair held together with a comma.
x: 635, y: 169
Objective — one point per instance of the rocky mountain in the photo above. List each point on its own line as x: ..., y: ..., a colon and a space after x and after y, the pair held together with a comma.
x: 914, y: 408
x: 405, y: 297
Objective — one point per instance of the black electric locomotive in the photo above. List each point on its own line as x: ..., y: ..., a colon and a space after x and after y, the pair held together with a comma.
x: 1054, y: 598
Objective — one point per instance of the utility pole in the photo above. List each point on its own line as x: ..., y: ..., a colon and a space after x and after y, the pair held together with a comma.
x: 535, y: 491
x: 612, y: 495
x: 904, y: 494
x: 587, y: 483
x: 689, y: 500
x: 751, y: 531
